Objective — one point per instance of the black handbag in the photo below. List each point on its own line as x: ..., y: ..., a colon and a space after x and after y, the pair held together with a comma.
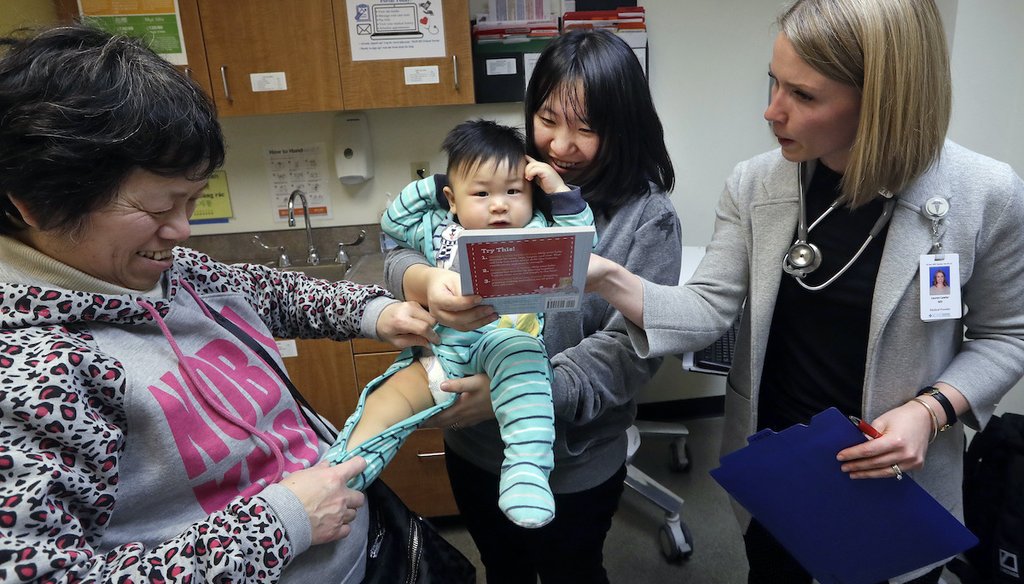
x: 404, y: 548
x: 401, y: 546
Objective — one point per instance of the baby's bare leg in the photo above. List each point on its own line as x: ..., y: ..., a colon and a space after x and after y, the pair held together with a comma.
x: 402, y: 395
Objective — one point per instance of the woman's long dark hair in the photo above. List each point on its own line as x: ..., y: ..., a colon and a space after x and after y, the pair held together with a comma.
x: 600, y: 79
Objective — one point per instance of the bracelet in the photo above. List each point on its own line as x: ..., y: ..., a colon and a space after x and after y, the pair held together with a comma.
x: 947, y: 406
x: 935, y: 418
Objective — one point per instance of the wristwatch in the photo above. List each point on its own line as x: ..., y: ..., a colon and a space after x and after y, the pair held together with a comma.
x: 947, y: 406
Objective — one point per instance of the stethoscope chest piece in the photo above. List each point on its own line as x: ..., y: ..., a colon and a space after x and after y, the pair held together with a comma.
x: 802, y: 258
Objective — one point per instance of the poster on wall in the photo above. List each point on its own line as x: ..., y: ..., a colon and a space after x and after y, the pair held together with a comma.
x: 395, y: 29
x: 214, y: 206
x: 155, y: 21
x: 303, y: 168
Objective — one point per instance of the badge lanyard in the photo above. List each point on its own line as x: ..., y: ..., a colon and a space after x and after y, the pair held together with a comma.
x: 935, y: 209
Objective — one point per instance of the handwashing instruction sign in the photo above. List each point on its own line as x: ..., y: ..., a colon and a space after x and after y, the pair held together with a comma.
x: 395, y: 29
x: 303, y: 168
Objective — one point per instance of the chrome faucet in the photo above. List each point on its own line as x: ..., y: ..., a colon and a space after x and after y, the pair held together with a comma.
x: 342, y: 257
x: 283, y: 261
x: 313, y: 259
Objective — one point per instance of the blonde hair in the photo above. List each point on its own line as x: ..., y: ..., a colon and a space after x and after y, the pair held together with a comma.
x: 894, y: 52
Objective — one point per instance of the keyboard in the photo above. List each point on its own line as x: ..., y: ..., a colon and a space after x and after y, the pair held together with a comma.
x: 718, y: 355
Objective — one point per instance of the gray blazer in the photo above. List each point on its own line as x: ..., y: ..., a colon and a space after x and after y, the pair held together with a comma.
x: 982, y: 354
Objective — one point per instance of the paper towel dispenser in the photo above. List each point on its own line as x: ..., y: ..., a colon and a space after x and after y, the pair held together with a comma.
x: 353, y: 150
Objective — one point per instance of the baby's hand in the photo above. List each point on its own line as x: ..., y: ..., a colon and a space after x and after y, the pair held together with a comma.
x: 547, y: 177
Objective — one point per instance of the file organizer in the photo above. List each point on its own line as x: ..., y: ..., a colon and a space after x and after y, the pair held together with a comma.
x: 500, y: 68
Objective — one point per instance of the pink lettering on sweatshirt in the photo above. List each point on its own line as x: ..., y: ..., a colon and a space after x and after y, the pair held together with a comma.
x: 236, y: 380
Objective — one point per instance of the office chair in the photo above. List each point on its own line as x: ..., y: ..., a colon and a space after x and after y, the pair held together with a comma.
x: 674, y: 537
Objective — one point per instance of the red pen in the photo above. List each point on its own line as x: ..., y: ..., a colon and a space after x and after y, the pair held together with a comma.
x: 865, y: 427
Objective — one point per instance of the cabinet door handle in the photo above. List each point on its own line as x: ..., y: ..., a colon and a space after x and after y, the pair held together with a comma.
x: 455, y: 69
x: 224, y: 79
x: 429, y: 454
x: 188, y: 72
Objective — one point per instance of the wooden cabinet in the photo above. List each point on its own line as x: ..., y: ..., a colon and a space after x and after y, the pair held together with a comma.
x: 322, y: 371
x: 382, y: 84
x: 195, y: 49
x: 272, y: 57
x: 268, y: 56
x: 331, y: 376
x: 191, y: 30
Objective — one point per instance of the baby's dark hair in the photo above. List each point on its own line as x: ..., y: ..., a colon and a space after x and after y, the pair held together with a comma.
x: 476, y: 141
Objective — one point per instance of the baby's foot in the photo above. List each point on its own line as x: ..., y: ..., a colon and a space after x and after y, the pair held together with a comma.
x: 524, y: 495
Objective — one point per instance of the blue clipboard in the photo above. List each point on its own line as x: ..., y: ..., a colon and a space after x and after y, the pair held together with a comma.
x: 843, y: 531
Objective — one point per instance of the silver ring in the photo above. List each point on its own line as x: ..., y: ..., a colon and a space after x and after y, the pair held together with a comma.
x: 455, y: 426
x: 899, y: 473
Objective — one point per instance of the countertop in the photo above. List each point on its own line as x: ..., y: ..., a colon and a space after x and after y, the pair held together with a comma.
x: 368, y: 269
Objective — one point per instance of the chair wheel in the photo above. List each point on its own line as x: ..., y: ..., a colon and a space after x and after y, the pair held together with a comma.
x: 680, y: 461
x: 676, y: 541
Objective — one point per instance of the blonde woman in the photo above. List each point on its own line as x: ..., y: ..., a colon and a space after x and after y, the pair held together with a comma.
x: 822, y: 240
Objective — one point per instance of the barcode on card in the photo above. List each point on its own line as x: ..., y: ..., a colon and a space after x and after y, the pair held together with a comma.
x: 560, y: 303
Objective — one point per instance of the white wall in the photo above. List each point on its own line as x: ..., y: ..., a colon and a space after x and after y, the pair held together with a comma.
x: 988, y: 94
x: 400, y: 136
x: 709, y: 77
x: 988, y: 75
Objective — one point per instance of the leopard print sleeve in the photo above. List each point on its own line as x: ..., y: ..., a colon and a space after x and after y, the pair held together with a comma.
x: 291, y: 304
x: 62, y: 430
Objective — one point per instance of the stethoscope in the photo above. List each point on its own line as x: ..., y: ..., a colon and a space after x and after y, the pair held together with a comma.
x: 803, y: 257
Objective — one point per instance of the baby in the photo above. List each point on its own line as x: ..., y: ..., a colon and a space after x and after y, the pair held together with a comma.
x: 488, y: 187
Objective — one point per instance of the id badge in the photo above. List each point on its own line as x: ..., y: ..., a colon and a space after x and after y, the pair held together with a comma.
x: 940, y: 287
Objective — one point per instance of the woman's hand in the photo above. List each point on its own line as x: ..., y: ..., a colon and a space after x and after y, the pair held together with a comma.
x: 472, y: 406
x: 406, y: 324
x: 451, y: 308
x: 440, y: 291
x: 331, y: 505
x: 904, y: 442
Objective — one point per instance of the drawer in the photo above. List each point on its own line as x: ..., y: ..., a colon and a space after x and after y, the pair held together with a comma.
x: 371, y: 346
x: 418, y: 474
x: 322, y: 372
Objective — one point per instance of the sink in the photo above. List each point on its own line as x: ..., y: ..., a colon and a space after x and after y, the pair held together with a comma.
x: 367, y: 269
x: 332, y: 272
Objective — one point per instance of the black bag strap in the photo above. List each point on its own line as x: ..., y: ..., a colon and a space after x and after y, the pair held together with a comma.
x: 321, y: 427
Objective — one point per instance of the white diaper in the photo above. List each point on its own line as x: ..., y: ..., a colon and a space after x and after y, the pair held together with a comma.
x: 435, y: 375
